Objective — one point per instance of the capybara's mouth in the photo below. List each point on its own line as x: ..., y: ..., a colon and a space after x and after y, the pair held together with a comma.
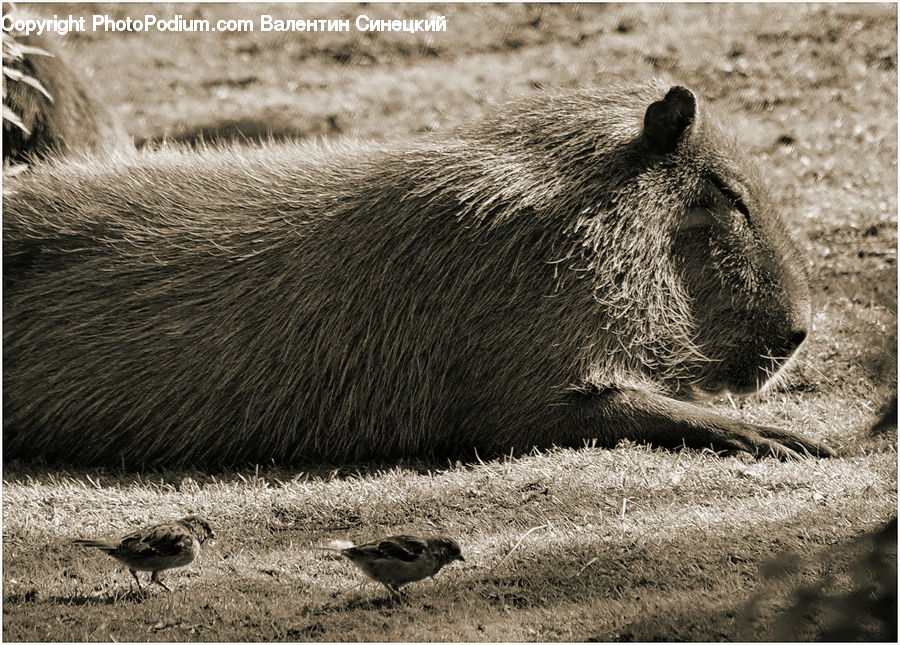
x: 744, y: 377
x: 756, y: 380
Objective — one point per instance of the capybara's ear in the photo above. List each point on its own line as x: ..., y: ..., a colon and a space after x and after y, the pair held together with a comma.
x: 666, y: 122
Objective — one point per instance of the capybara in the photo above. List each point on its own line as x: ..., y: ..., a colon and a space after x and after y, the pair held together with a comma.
x: 64, y: 118
x: 577, y: 265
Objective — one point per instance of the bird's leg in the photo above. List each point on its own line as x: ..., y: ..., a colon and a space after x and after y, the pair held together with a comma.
x: 154, y: 577
x: 136, y: 579
x: 392, y: 591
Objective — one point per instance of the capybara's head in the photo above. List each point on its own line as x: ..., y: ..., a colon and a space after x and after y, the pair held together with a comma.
x: 743, y: 276
x: 696, y: 279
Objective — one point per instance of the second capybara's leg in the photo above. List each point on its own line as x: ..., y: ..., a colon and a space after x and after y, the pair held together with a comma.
x: 644, y: 416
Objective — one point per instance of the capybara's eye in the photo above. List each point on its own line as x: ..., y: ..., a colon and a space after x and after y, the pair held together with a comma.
x: 697, y: 217
x: 732, y: 195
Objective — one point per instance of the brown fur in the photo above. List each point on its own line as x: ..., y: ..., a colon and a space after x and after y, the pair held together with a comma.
x: 552, y: 274
x: 72, y: 121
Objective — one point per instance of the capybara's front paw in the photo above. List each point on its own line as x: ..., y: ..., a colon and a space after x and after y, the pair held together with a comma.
x: 797, y: 443
x: 764, y: 441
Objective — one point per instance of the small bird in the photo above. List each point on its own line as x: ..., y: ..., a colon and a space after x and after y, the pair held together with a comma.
x: 159, y: 547
x: 401, y: 559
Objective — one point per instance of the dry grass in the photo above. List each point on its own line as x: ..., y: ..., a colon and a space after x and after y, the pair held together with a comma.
x: 636, y: 544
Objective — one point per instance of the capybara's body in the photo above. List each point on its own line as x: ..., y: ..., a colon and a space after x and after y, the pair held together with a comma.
x: 69, y: 120
x: 555, y: 273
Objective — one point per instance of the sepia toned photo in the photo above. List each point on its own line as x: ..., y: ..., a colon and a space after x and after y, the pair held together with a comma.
x: 461, y: 322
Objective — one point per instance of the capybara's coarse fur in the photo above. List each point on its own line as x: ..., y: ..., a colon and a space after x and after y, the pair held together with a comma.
x: 70, y: 120
x: 565, y: 269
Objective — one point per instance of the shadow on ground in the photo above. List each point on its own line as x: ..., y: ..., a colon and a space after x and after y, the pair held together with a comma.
x: 846, y: 592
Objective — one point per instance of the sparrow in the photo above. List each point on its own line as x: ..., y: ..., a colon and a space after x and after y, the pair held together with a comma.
x: 401, y: 559
x: 156, y: 548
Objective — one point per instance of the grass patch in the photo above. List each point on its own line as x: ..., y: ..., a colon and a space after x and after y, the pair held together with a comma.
x: 624, y: 530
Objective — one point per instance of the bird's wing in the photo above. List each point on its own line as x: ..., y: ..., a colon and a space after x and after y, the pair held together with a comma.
x: 161, y: 540
x: 402, y: 547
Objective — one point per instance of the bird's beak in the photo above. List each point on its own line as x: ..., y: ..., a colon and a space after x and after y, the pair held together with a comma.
x: 460, y: 558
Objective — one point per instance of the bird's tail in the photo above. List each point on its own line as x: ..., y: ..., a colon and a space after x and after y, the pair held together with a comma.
x: 108, y: 547
x: 336, y: 546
